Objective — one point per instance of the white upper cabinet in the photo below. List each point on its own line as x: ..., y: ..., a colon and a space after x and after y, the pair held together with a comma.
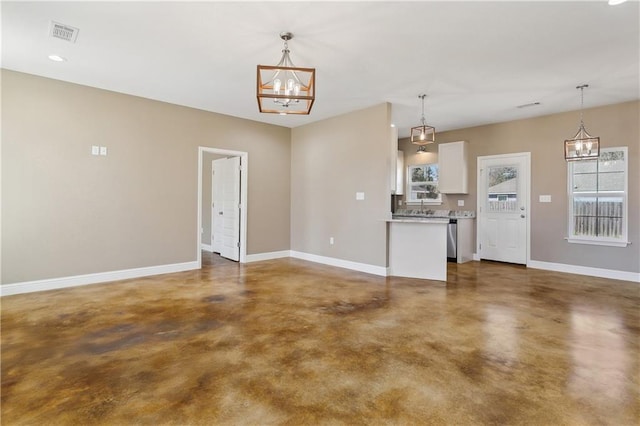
x: 452, y: 162
x: 400, y: 173
x: 393, y: 156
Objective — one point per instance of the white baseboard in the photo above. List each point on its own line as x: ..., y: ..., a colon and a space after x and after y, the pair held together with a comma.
x: 585, y: 270
x: 101, y: 277
x: 476, y: 256
x: 267, y: 256
x: 206, y: 247
x: 341, y: 263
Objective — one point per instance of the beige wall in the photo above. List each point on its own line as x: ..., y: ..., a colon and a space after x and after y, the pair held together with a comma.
x: 616, y: 125
x: 331, y: 160
x: 66, y: 212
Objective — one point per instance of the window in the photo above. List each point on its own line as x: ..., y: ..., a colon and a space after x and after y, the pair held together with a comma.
x: 422, y: 184
x: 502, y: 192
x: 598, y: 199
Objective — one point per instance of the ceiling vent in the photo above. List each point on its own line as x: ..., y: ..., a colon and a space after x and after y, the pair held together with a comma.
x: 63, y: 32
x: 531, y: 104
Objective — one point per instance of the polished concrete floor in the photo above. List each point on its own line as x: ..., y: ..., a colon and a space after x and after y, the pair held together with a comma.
x: 292, y: 342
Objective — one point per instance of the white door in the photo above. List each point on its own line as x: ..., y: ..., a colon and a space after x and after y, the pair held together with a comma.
x: 503, y: 207
x: 231, y: 209
x: 217, y: 222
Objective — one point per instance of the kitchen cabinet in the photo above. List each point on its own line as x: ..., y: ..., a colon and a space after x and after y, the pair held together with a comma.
x: 464, y: 240
x: 400, y: 173
x: 395, y: 183
x: 453, y: 168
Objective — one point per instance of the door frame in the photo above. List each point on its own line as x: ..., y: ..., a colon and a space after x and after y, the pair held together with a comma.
x: 244, y: 189
x: 480, y: 199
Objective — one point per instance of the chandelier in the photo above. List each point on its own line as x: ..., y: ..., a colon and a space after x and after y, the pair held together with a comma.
x: 284, y: 88
x: 423, y: 134
x: 582, y: 146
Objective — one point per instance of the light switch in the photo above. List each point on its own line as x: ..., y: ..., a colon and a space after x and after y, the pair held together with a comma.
x: 460, y: 203
x: 103, y: 150
x: 95, y: 150
x: 359, y: 195
x: 545, y: 198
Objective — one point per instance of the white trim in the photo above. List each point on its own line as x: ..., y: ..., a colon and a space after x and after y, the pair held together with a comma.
x: 476, y: 256
x: 268, y: 256
x: 341, y: 263
x: 595, y: 242
x: 586, y: 270
x: 244, y: 189
x: 100, y: 277
x: 206, y: 247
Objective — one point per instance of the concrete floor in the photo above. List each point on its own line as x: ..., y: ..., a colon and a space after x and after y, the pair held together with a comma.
x: 293, y: 342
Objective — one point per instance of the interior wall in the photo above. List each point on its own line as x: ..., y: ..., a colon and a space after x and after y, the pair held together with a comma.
x: 331, y: 160
x: 66, y: 212
x: 616, y: 125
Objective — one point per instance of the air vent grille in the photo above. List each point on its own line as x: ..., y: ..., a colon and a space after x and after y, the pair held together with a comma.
x: 63, y: 32
x: 531, y: 104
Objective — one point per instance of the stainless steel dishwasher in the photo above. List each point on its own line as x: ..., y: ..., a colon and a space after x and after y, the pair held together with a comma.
x: 452, y: 240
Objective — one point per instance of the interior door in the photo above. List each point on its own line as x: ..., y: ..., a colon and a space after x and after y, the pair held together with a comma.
x: 503, y: 207
x: 231, y: 209
x: 217, y: 220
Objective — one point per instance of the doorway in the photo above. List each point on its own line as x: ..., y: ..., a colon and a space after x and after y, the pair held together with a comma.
x: 234, y: 229
x: 504, y: 207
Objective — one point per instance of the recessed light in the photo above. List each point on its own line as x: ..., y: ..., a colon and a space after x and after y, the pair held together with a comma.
x: 393, y: 125
x: 616, y: 2
x: 57, y: 58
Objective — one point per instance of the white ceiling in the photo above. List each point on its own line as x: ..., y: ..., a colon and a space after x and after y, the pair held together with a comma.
x: 476, y: 61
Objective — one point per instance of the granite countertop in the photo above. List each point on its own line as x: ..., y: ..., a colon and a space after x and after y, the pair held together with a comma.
x: 448, y: 214
x: 418, y: 219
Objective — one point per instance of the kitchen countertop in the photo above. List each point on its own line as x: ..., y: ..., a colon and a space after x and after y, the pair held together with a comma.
x: 419, y: 220
x: 445, y: 214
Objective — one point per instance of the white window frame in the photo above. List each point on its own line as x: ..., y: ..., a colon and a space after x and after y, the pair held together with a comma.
x: 622, y: 241
x: 422, y: 201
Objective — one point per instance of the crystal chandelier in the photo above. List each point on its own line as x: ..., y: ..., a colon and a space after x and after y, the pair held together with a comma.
x: 582, y: 146
x: 423, y: 134
x: 284, y: 88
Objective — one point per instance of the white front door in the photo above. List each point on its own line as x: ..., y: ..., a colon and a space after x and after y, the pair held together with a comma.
x: 503, y: 207
x: 231, y: 209
x: 217, y: 220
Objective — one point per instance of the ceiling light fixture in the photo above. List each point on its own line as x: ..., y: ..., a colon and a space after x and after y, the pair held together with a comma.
x: 423, y: 134
x: 57, y: 58
x: 616, y: 2
x: 284, y: 88
x: 582, y: 146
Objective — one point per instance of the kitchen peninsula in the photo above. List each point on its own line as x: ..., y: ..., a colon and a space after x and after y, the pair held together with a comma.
x: 418, y: 242
x: 418, y: 247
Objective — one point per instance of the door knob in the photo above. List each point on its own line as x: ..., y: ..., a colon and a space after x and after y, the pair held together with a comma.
x: 220, y: 213
x: 522, y: 216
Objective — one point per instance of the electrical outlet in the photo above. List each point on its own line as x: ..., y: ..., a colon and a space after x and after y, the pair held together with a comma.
x: 331, y: 240
x: 95, y: 150
x: 545, y: 198
x: 399, y: 202
x: 460, y: 203
x: 103, y: 150
x: 359, y: 196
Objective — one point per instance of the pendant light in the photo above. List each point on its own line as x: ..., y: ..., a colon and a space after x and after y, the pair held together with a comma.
x: 582, y: 146
x: 284, y: 88
x: 423, y: 134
